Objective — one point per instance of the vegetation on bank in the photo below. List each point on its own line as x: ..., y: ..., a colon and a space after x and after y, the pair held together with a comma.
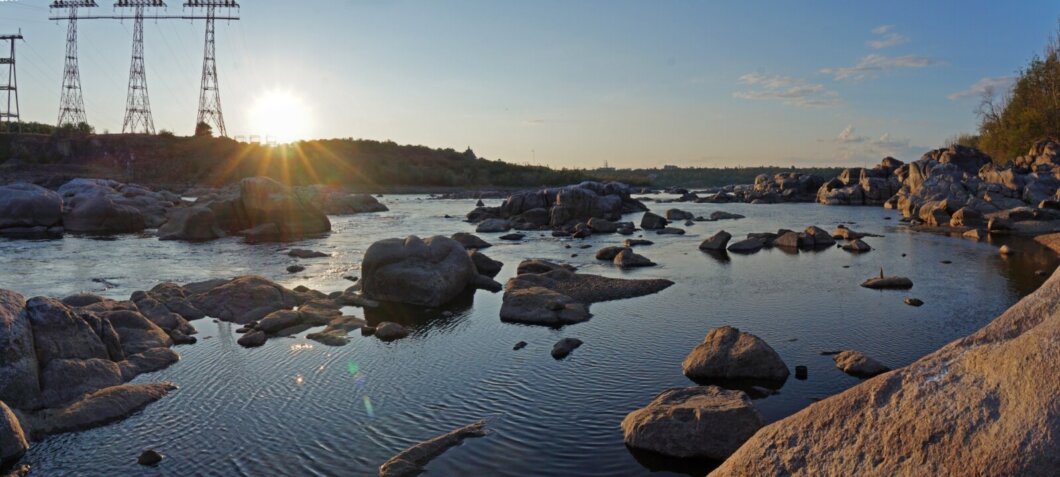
x: 1011, y: 121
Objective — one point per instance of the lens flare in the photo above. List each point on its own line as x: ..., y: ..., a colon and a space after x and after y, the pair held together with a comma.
x: 352, y: 367
x: 368, y: 407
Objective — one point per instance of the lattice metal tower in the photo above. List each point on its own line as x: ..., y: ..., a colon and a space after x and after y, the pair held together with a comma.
x: 7, y: 114
x: 71, y: 104
x: 138, y: 103
x: 210, y: 91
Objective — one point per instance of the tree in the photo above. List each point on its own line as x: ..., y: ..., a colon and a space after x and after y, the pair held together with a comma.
x: 203, y: 130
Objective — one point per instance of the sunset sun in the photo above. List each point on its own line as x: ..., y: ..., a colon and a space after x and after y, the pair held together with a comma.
x: 281, y: 116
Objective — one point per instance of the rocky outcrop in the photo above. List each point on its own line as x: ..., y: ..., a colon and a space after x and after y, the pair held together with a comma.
x: 101, y: 206
x: 550, y: 294
x: 982, y: 405
x: 191, y: 224
x: 241, y: 299
x: 728, y: 354
x: 563, y: 207
x: 336, y: 201
x: 27, y: 209
x: 411, y: 461
x: 705, y: 422
x: 783, y: 187
x: 429, y: 272
x: 266, y: 210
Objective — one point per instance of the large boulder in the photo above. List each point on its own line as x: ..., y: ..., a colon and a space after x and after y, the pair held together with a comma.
x: 336, y: 201
x: 651, y: 221
x: 983, y: 405
x: 19, y: 384
x: 242, y: 299
x: 425, y: 272
x: 29, y: 209
x: 728, y: 354
x: 100, y: 214
x: 101, y: 206
x: 695, y: 422
x: 716, y: 242
x: 266, y: 201
x: 193, y: 224
x: 13, y: 442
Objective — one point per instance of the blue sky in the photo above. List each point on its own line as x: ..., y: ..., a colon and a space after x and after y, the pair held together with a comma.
x: 562, y: 83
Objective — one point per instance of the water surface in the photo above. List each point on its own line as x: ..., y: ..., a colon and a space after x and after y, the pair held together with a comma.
x: 296, y: 407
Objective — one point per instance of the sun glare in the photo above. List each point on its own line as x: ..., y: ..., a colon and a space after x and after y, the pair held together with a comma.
x: 281, y: 116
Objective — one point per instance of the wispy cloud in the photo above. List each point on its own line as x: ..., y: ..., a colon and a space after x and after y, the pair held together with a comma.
x: 873, y: 65
x: 887, y: 37
x: 999, y: 83
x: 788, y: 90
x: 849, y: 146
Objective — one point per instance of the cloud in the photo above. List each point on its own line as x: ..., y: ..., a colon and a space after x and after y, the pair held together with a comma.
x: 887, y: 38
x: 788, y: 90
x: 999, y: 83
x: 850, y: 146
x: 872, y: 65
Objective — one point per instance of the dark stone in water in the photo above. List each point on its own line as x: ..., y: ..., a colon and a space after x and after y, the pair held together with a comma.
x: 946, y: 262
x: 295, y: 269
x: 563, y: 347
x: 913, y: 301
x: 801, y: 372
x: 149, y: 457
x: 518, y: 346
x: 350, y: 278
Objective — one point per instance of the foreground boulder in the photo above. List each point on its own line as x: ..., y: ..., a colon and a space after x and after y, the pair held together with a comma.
x: 429, y: 272
x: 545, y: 293
x: 728, y: 354
x: 411, y: 461
x: 695, y: 422
x: 13, y: 443
x: 982, y: 405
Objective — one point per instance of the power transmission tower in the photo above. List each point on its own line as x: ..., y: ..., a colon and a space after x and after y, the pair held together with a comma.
x: 71, y: 104
x: 138, y: 103
x: 8, y: 115
x: 210, y: 91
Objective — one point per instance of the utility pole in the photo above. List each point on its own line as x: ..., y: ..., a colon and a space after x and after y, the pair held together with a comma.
x: 210, y: 91
x: 138, y: 103
x: 71, y: 104
x: 8, y: 115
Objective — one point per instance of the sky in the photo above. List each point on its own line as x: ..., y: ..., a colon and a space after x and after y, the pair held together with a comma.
x: 561, y: 83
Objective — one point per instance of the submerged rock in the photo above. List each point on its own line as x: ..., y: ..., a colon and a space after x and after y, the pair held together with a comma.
x: 728, y: 354
x: 304, y: 253
x: 149, y: 457
x: 626, y: 258
x: 411, y: 461
x: 390, y: 331
x: 564, y: 347
x: 695, y: 422
x: 857, y: 246
x: 913, y: 301
x: 747, y: 246
x: 888, y: 283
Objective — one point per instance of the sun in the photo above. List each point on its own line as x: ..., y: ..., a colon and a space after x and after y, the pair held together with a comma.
x: 281, y: 116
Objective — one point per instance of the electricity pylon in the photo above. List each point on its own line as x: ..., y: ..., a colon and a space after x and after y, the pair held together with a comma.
x: 138, y: 102
x: 71, y: 104
x: 210, y: 90
x: 8, y: 115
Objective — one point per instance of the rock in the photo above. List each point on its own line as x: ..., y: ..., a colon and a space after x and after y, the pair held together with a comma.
x: 279, y: 320
x: 564, y: 347
x: 303, y: 253
x: 1005, y: 250
x: 855, y: 363
x: 390, y: 331
x: 265, y: 201
x: 149, y: 457
x: 995, y: 224
x: 470, y: 241
x: 602, y: 226
x: 410, y: 462
x: 493, y: 225
x: 252, y: 339
x: 722, y: 215
x: 330, y: 337
x: 192, y: 224
x: 28, y: 208
x: 966, y: 217
x: 430, y: 272
x: 670, y: 231
x: 888, y: 283
x: 747, y: 246
x: 716, y: 242
x: 678, y: 214
x: 518, y: 346
x: 637, y: 242
x: 821, y: 238
x: 626, y: 258
x: 148, y: 361
x: 652, y: 221
x: 512, y: 237
x: 609, y: 253
x: 541, y: 306
x: 19, y: 382
x: 13, y: 442
x: 295, y: 269
x: 137, y: 333
x: 100, y: 214
x: 159, y: 313
x: 791, y: 241
x: 96, y: 409
x: 913, y: 301
x: 695, y: 422
x: 336, y: 201
x: 242, y: 299
x: 975, y: 234
x: 801, y: 372
x: 856, y: 246
x: 728, y: 354
x: 485, y: 265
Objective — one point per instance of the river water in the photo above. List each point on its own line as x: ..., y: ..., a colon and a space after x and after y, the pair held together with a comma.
x: 296, y: 407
